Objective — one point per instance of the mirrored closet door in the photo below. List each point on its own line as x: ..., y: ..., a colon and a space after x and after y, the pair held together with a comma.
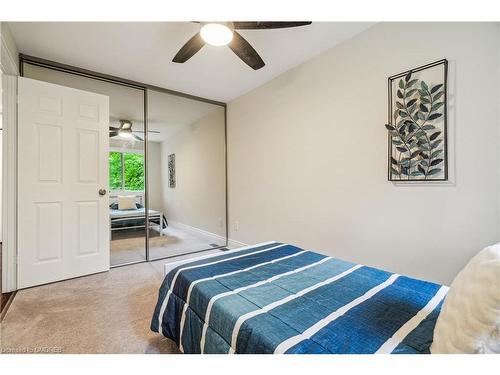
x: 126, y: 188
x: 167, y: 165
x: 186, y: 175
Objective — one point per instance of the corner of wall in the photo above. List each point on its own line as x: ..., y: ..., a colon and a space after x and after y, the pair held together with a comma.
x: 9, y: 55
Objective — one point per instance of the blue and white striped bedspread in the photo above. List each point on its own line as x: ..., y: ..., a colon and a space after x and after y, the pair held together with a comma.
x: 278, y: 298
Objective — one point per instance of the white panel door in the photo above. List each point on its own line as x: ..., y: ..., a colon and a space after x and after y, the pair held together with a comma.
x: 63, y: 217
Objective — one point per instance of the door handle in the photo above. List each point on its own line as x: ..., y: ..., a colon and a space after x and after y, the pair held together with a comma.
x: 102, y: 191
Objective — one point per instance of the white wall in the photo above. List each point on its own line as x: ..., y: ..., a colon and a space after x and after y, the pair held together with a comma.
x: 307, y: 154
x: 198, y: 200
x: 9, y: 55
x: 154, y: 176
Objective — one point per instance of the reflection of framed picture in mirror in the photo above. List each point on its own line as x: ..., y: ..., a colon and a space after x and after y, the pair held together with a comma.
x: 171, y: 170
x: 417, y: 124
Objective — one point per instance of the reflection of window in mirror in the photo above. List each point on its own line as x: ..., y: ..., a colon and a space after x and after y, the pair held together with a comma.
x: 126, y: 171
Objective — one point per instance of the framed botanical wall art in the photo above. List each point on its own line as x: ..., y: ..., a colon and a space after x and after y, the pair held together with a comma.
x: 418, y: 124
x: 171, y: 170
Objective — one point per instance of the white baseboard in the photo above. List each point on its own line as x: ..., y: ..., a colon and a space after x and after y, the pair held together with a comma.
x: 234, y: 244
x: 216, y: 237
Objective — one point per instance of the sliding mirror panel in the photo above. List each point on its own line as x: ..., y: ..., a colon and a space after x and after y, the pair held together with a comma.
x: 186, y: 175
x: 126, y: 190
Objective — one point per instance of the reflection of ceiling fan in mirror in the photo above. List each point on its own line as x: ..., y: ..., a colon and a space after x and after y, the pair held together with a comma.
x: 125, y: 131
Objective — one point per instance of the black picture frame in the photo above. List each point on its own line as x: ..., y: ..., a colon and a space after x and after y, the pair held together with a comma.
x: 443, y: 129
x: 171, y: 171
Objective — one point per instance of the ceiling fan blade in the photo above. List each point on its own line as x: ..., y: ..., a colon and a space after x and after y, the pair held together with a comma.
x: 255, y: 25
x: 113, y: 133
x: 187, y: 51
x: 149, y: 131
x: 245, y: 51
x: 137, y: 137
x: 113, y: 128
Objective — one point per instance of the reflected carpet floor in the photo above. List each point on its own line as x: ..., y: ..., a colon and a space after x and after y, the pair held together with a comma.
x: 129, y: 246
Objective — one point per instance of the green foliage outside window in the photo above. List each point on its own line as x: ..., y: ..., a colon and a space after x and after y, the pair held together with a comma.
x: 126, y: 171
x: 134, y: 171
x: 115, y: 170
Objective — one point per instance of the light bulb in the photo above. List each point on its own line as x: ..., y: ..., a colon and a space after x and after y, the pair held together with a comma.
x: 125, y: 134
x: 216, y: 34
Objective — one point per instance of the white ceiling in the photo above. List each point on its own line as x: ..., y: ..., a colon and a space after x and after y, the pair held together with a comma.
x: 169, y: 114
x: 143, y: 52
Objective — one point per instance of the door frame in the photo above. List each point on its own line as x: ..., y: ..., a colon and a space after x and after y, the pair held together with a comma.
x: 9, y: 186
x: 10, y: 72
x: 36, y: 61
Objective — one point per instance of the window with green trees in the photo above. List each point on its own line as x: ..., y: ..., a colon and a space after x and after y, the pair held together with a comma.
x: 126, y: 171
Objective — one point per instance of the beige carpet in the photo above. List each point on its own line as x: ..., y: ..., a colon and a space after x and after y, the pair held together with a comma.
x: 129, y: 246
x: 109, y: 312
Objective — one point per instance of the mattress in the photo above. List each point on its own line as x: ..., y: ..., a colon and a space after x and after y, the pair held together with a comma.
x: 140, y: 212
x: 279, y: 298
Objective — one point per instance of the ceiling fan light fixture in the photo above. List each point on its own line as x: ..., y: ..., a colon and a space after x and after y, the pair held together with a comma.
x: 125, y: 134
x: 216, y: 34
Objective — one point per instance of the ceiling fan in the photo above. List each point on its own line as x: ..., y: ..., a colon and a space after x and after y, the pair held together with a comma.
x: 125, y: 131
x: 224, y: 33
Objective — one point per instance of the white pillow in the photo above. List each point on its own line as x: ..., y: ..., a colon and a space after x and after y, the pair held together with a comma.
x: 470, y: 318
x: 126, y: 202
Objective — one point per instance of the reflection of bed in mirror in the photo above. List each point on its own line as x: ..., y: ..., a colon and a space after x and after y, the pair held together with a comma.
x: 134, y: 218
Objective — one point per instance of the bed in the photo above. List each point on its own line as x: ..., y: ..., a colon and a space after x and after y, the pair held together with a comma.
x: 134, y: 218
x: 279, y: 298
